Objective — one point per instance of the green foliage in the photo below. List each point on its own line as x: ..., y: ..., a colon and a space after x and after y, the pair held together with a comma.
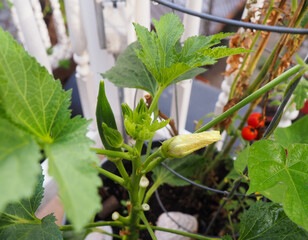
x: 269, y: 166
x: 163, y: 60
x: 220, y: 52
x: 241, y: 160
x: 301, y: 93
x: 113, y: 137
x: 296, y: 133
x: 19, y: 157
x: 226, y: 237
x: 32, y: 101
x: 104, y: 114
x: 138, y: 122
x: 130, y: 72
x: 160, y: 52
x: 267, y: 221
x: 18, y: 220
x: 65, y: 63
x: 185, y: 166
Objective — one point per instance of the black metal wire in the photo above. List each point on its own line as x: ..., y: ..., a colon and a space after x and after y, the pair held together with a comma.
x: 232, y: 21
x: 226, y: 193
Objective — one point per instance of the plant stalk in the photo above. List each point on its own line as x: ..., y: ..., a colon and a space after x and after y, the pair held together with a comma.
x: 251, y: 97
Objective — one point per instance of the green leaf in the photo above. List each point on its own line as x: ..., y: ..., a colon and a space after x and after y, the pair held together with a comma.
x: 301, y: 94
x: 158, y: 49
x: 104, y: 115
x: 304, y: 20
x: 269, y: 165
x: 275, y: 103
x: 19, y: 163
x: 220, y: 52
x: 296, y: 133
x: 18, y: 221
x: 29, y: 94
x: 267, y: 221
x: 161, y: 52
x: 77, y: 179
x: 130, y: 72
x: 185, y: 166
x: 34, y: 101
x: 242, y: 160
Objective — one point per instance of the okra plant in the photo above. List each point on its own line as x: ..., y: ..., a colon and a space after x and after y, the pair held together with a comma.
x: 36, y: 124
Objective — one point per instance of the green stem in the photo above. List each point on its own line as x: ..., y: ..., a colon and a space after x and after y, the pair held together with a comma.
x: 122, y: 171
x: 110, y: 175
x: 92, y: 225
x: 149, y: 148
x: 134, y: 194
x: 151, y: 191
x: 128, y: 148
x: 251, y: 97
x: 148, y: 226
x: 106, y: 233
x: 153, y: 164
x: 151, y: 157
x: 111, y: 153
x: 186, y: 234
x: 155, y: 99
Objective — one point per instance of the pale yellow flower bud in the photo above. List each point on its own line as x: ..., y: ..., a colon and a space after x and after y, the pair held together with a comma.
x: 144, y: 182
x: 182, y: 145
x: 115, y: 216
x: 145, y: 207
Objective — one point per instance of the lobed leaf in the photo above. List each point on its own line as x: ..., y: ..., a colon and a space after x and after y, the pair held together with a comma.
x: 28, y: 92
x: 296, y: 133
x: 18, y: 221
x: 267, y: 221
x: 70, y: 164
x: 269, y: 166
x: 32, y: 100
x: 19, y: 168
x: 130, y: 72
x: 220, y: 52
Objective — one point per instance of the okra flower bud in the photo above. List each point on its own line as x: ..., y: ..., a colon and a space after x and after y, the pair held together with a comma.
x: 145, y: 207
x: 144, y: 182
x: 112, y: 136
x: 182, y: 145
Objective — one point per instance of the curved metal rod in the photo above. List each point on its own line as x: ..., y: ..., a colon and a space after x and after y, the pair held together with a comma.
x: 226, y: 193
x: 232, y: 21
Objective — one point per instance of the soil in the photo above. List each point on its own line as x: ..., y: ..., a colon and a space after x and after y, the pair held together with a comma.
x: 187, y: 199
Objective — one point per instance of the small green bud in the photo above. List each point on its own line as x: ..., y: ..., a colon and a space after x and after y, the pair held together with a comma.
x: 182, y: 145
x: 138, y: 122
x: 112, y: 136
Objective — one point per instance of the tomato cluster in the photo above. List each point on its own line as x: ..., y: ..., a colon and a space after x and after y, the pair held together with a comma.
x: 255, y: 122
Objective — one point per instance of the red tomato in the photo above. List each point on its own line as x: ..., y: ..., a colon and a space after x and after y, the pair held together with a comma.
x: 249, y: 133
x: 256, y: 120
